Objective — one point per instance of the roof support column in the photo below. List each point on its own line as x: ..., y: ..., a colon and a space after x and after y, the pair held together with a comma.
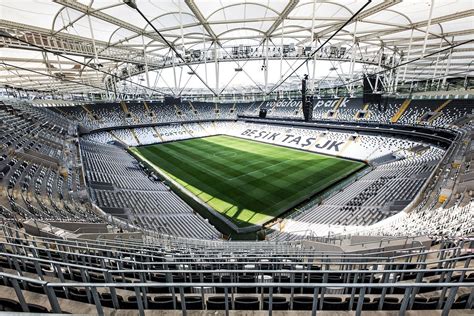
x: 391, y: 79
x: 443, y: 84
x: 204, y: 53
x: 436, y: 64
x: 354, y: 46
x: 174, y: 75
x: 378, y: 70
x: 216, y: 65
x: 183, y: 48
x: 48, y: 65
x: 408, y: 56
x: 313, y: 43
x: 109, y: 86
x: 313, y: 77
x: 281, y: 50
x: 397, y: 74
x: 265, y: 66
x: 96, y: 57
x: 147, y: 75
x: 428, y: 27
x: 113, y: 87
x: 59, y: 65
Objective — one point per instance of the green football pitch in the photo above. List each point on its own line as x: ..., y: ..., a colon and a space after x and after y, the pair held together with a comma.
x: 248, y: 181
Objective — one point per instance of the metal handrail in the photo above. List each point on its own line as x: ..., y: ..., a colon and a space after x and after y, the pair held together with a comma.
x: 319, y: 289
x: 243, y: 263
x: 138, y: 245
x: 181, y: 258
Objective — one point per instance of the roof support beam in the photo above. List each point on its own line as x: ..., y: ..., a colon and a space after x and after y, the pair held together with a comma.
x: 75, y: 5
x: 171, y: 46
x: 55, y: 78
x: 369, y: 12
x: 75, y: 45
x: 282, y: 80
x: 417, y: 25
x: 286, y: 11
x: 197, y: 13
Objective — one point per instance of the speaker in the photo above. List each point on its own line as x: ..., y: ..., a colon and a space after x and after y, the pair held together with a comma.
x: 370, y: 95
x: 369, y: 84
x: 306, y: 101
x: 263, y: 113
x: 308, y: 109
x: 382, y: 107
x: 169, y: 100
x: 373, y: 98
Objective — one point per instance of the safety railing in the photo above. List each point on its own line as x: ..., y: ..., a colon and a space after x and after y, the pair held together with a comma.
x: 87, y: 268
x: 266, y: 296
x: 112, y: 263
x: 127, y: 246
x: 142, y: 256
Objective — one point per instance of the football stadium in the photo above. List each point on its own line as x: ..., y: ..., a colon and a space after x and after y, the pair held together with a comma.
x: 234, y: 157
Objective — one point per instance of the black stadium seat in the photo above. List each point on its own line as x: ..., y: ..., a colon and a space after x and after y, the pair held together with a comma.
x: 335, y: 304
x: 8, y: 305
x: 278, y: 303
x: 247, y: 303
x: 218, y: 303
x: 303, y: 303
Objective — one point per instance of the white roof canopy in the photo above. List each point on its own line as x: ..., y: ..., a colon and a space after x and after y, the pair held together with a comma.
x: 230, y: 46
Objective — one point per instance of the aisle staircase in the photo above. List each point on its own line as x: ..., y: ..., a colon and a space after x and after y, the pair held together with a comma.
x: 438, y: 111
x: 177, y: 110
x: 157, y: 133
x: 349, y: 142
x: 193, y: 109
x: 201, y: 126
x: 116, y: 137
x: 187, y: 130
x: 365, y: 109
x: 89, y: 113
x: 127, y: 112
x: 124, y: 107
x: 217, y: 112
x: 334, y: 109
x: 135, y: 136
x: 400, y: 111
x: 147, y: 111
x: 338, y: 104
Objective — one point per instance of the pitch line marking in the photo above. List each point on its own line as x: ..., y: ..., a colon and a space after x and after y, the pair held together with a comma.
x: 258, y: 170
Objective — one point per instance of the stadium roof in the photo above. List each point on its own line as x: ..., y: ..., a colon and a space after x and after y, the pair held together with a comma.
x: 68, y: 46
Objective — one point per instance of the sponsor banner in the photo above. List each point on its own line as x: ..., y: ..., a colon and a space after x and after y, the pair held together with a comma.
x: 304, y: 142
x: 174, y: 133
x: 318, y: 103
x: 329, y: 104
x: 283, y: 104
